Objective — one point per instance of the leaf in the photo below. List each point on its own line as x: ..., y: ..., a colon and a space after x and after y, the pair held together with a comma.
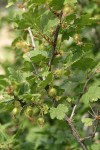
x: 9, y: 4
x: 27, y: 66
x: 80, y: 23
x: 58, y: 112
x: 71, y: 1
x: 28, y: 19
x: 70, y: 18
x: 51, y: 23
x: 15, y: 74
x: 23, y: 88
x: 47, y: 81
x: 36, y: 56
x: 93, y: 93
x: 85, y: 20
x: 57, y: 4
x: 3, y: 82
x: 7, y: 99
x: 84, y: 64
x: 48, y: 20
x: 28, y: 96
x: 87, y: 47
x: 95, y: 146
x: 87, y: 121
x: 60, y: 137
x: 39, y: 1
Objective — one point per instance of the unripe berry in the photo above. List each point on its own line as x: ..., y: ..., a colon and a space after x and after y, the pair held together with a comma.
x: 67, y: 10
x: 29, y: 111
x: 23, y: 45
x: 58, y: 98
x: 67, y: 72
x: 45, y: 109
x: 15, y: 111
x: 40, y: 121
x: 58, y: 73
x: 17, y: 104
x: 77, y: 37
x: 52, y: 92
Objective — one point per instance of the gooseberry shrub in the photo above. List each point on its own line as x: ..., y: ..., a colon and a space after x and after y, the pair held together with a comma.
x: 50, y: 95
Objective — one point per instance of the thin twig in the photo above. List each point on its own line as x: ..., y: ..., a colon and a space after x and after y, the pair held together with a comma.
x: 32, y: 38
x: 55, y: 41
x: 93, y: 134
x: 75, y: 133
x: 92, y: 111
x: 83, y: 91
x: 33, y: 45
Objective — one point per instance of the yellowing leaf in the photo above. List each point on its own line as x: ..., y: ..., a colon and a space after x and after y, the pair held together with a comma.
x: 87, y: 121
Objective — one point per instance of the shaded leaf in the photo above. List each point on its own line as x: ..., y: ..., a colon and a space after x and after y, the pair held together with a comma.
x: 47, y: 81
x: 84, y: 64
x: 35, y: 56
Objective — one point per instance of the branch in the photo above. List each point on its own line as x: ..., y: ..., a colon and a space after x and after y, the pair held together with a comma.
x: 55, y: 41
x: 75, y: 133
x: 83, y: 91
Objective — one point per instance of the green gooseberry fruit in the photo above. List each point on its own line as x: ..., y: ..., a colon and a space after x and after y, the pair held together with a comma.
x: 52, y: 92
x: 58, y: 73
x: 40, y: 121
x: 29, y: 111
x: 15, y: 111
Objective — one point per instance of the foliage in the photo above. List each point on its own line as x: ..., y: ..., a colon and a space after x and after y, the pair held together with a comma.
x: 52, y: 90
